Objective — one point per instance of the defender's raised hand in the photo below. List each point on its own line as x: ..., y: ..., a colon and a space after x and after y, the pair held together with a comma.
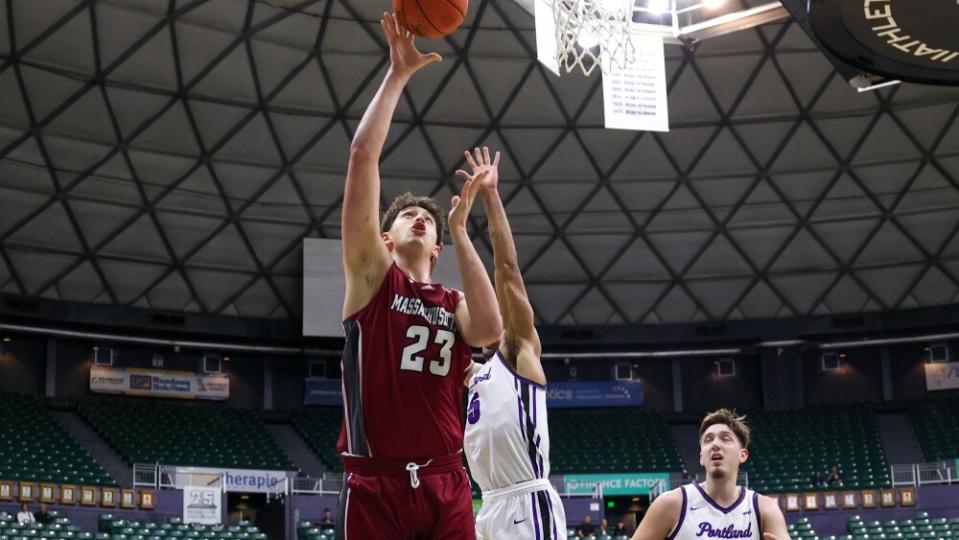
x: 462, y: 203
x: 482, y: 164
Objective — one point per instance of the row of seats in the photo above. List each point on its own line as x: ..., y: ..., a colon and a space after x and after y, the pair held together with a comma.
x: 921, y: 528
x: 320, y: 428
x: 936, y: 428
x: 118, y: 529
x: 35, y: 448
x: 571, y: 533
x: 201, y: 434
x: 632, y: 440
x: 789, y: 446
x: 802, y: 529
x: 111, y: 528
x: 61, y: 528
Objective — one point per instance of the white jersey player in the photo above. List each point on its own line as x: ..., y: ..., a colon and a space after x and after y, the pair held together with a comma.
x: 717, y: 508
x: 507, y: 435
x: 702, y: 517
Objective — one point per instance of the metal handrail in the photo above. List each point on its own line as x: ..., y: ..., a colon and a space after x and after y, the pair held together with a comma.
x: 317, y: 486
x: 923, y: 474
x: 146, y: 475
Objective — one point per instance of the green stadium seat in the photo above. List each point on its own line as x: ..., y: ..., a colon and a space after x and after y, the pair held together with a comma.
x: 144, y: 430
x: 39, y: 449
x: 781, y: 461
x: 643, y: 441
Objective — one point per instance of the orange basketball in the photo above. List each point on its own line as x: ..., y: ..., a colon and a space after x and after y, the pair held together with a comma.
x: 430, y: 18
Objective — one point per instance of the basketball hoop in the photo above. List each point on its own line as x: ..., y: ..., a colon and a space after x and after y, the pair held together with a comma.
x: 593, y: 33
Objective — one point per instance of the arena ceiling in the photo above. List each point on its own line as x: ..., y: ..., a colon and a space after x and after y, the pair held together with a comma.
x: 172, y: 155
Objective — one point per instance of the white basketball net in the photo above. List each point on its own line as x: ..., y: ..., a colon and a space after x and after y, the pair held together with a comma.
x: 593, y: 33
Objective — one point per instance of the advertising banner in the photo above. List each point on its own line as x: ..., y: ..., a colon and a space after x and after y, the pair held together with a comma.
x: 235, y: 480
x: 558, y: 394
x: 323, y: 392
x: 942, y: 375
x: 616, y: 483
x: 202, y: 505
x: 159, y: 383
x: 594, y: 394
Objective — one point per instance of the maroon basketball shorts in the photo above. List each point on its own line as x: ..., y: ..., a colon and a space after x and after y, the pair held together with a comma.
x: 384, y: 499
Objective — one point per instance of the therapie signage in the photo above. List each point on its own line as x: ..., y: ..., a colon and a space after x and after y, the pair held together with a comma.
x: 235, y: 480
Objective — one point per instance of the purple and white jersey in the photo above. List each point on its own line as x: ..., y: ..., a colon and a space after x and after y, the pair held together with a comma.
x: 507, y: 438
x: 701, y: 518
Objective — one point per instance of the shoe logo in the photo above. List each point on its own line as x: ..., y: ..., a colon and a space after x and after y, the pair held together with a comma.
x: 694, y: 508
x: 520, y: 521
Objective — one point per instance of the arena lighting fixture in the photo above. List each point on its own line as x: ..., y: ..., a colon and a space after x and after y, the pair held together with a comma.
x: 176, y: 344
x: 782, y: 343
x: 736, y: 21
x: 728, y: 20
x: 888, y: 341
x: 645, y: 354
x: 658, y: 6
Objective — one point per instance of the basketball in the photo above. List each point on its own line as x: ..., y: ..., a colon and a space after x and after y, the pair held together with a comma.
x: 431, y: 18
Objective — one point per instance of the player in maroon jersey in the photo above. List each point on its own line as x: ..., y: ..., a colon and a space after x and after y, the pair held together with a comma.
x: 407, y: 342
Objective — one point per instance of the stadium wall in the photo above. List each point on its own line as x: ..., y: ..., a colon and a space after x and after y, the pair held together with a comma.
x: 74, y: 359
x: 656, y: 376
x: 765, y: 380
x: 938, y: 501
x: 859, y: 378
x: 288, y: 375
x: 704, y: 389
x: 23, y: 366
x: 169, y: 504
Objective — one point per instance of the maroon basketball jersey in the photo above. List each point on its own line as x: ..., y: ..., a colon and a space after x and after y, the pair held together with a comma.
x: 403, y: 366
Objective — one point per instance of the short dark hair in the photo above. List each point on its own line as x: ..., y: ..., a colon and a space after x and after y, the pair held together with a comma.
x: 406, y: 200
x: 729, y: 418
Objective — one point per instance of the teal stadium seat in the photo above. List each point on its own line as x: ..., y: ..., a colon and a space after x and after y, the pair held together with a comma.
x: 35, y: 448
x: 632, y: 441
x: 789, y: 445
x: 202, y: 434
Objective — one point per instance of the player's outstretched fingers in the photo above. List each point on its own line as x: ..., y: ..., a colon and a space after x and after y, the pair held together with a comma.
x: 388, y: 30
x: 469, y: 159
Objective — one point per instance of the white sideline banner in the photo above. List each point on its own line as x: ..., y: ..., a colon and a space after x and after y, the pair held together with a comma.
x: 202, y: 505
x: 158, y: 383
x: 942, y: 375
